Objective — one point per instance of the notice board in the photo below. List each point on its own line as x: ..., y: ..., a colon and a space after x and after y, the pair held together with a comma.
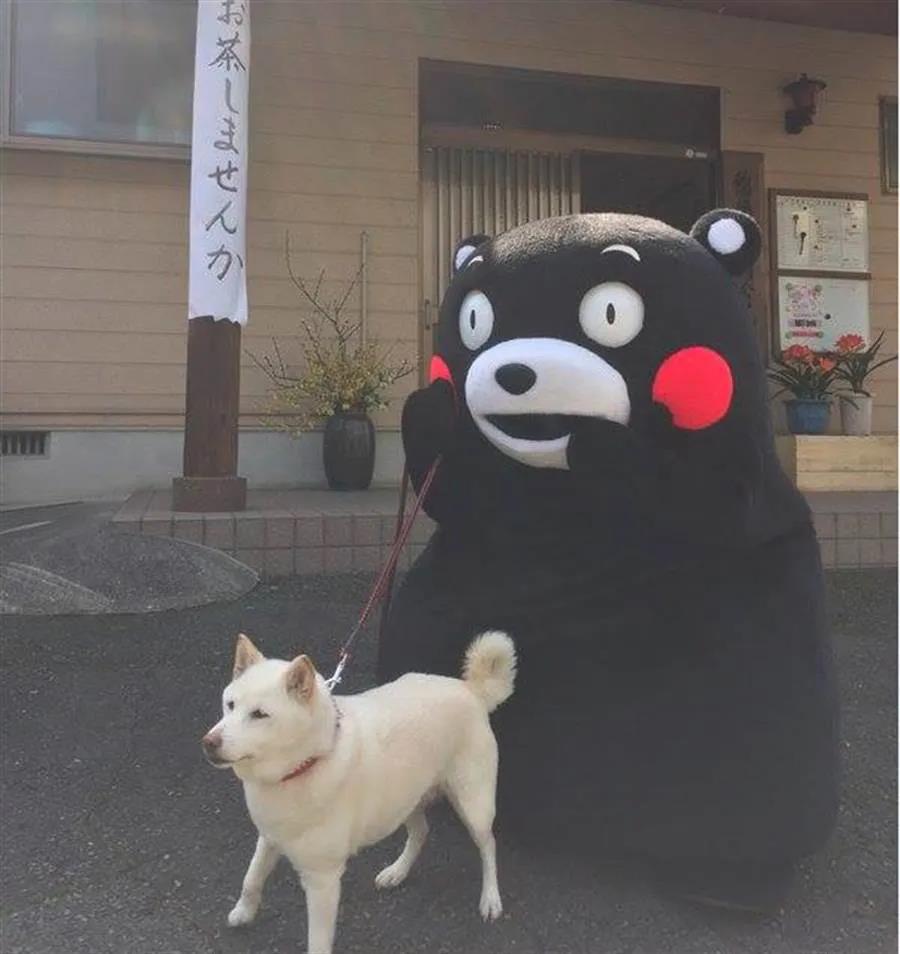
x: 820, y: 257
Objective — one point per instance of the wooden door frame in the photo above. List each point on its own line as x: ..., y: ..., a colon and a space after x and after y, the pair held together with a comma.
x: 526, y: 140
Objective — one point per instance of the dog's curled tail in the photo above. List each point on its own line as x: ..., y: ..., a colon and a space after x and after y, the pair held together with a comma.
x: 490, y: 668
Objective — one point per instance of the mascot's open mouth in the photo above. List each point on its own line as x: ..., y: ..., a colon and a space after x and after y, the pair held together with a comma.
x: 534, y: 427
x: 565, y: 383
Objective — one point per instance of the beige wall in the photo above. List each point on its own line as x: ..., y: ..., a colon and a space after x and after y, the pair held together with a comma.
x: 94, y: 249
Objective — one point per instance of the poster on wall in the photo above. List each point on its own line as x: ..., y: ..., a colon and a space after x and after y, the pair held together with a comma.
x: 816, y: 311
x: 822, y: 233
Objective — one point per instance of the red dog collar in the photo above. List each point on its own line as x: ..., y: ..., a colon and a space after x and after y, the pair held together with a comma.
x: 304, y: 767
x: 301, y: 768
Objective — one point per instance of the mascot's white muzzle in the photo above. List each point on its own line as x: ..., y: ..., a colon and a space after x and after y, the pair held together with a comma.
x: 524, y: 394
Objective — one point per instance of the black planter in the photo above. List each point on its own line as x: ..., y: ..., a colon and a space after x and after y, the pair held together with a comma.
x: 349, y: 451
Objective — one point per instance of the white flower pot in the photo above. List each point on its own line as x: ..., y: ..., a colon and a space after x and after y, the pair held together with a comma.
x: 856, y: 415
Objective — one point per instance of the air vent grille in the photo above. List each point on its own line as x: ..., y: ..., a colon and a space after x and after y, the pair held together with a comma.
x: 24, y: 443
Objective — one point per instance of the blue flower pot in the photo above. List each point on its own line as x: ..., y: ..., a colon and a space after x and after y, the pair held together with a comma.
x: 807, y: 416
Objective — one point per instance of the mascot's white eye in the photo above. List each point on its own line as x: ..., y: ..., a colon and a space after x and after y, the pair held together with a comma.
x: 612, y: 314
x: 476, y: 320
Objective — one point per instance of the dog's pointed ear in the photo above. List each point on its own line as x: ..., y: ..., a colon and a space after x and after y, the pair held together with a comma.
x: 301, y: 678
x: 245, y: 655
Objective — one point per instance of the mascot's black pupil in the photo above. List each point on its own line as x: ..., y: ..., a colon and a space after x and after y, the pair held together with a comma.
x: 610, y: 313
x: 472, y: 319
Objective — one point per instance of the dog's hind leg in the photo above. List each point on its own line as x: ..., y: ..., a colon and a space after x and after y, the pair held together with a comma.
x: 261, y: 864
x: 416, y: 833
x: 471, y: 788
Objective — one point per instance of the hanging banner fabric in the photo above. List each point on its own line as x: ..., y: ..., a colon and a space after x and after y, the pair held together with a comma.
x: 219, y: 158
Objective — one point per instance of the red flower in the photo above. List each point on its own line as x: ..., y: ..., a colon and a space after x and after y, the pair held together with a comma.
x: 827, y: 364
x: 797, y: 353
x: 847, y: 344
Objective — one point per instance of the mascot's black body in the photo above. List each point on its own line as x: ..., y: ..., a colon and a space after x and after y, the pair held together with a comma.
x: 608, y: 493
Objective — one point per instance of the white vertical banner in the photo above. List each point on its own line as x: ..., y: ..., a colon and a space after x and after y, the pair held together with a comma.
x: 219, y: 157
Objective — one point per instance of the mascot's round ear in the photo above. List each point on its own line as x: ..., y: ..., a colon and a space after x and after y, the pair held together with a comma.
x: 466, y: 248
x: 731, y: 237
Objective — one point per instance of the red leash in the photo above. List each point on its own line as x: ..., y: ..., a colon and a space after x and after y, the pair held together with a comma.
x: 385, y: 578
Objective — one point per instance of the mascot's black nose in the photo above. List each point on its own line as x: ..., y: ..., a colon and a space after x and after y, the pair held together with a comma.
x: 515, y: 378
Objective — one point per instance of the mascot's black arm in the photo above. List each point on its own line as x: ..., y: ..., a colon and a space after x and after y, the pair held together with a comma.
x: 429, y: 430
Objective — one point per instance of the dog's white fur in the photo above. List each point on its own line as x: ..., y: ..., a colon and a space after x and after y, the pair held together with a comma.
x: 380, y: 756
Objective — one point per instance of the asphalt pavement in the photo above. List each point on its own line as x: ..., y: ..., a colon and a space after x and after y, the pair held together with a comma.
x: 117, y: 838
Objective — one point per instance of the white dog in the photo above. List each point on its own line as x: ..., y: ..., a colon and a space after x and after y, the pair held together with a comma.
x: 325, y: 776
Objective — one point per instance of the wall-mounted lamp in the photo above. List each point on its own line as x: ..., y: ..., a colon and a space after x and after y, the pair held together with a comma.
x: 804, y: 92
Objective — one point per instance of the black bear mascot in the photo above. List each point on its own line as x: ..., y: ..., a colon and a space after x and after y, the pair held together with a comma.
x: 608, y: 493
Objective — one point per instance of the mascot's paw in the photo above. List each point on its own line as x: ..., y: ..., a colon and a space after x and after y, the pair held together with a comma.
x: 599, y: 447
x: 429, y: 418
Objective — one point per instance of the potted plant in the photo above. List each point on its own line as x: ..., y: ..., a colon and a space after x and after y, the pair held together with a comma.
x: 339, y: 380
x: 809, y: 377
x: 855, y: 363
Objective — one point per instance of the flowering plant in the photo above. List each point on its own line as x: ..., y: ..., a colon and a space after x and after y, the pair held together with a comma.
x: 340, y: 372
x: 856, y: 362
x: 808, y: 376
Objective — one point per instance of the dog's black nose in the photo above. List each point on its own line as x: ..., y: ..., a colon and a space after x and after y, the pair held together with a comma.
x: 515, y: 378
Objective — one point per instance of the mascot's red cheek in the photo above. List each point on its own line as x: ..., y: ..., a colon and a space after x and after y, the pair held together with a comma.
x: 438, y: 370
x: 695, y: 384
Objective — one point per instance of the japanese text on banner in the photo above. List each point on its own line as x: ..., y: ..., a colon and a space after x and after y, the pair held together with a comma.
x: 219, y: 156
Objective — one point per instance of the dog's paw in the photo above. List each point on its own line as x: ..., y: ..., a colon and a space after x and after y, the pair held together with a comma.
x: 391, y: 876
x: 242, y: 913
x: 491, y: 906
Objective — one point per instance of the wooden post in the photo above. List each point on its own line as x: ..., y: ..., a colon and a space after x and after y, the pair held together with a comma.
x: 210, y: 481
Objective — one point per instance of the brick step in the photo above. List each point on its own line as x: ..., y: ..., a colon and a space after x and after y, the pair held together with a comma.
x: 287, y: 533
x: 299, y: 532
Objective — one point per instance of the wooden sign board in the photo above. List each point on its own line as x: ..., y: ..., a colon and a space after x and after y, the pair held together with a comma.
x: 821, y: 233
x: 816, y: 310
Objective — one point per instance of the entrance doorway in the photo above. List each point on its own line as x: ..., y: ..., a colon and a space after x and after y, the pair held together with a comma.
x: 674, y: 190
x: 501, y: 147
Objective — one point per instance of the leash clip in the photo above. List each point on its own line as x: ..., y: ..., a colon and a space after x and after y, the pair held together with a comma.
x: 335, y: 680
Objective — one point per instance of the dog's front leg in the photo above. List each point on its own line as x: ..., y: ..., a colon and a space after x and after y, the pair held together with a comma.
x: 323, y: 894
x: 261, y: 864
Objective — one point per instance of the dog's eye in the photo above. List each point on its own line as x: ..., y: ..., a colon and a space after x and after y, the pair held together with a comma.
x: 259, y: 714
x: 229, y: 705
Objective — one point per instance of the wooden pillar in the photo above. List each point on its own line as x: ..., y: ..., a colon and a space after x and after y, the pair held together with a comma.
x: 210, y: 481
x: 744, y: 188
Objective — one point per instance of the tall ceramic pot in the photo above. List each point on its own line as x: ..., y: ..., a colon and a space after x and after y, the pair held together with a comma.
x: 349, y: 450
x: 806, y: 416
x: 856, y: 415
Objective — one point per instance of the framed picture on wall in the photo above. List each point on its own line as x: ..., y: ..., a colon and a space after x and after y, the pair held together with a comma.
x: 888, y: 110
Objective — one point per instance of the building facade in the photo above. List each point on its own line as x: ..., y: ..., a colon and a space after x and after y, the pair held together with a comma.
x: 379, y: 131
